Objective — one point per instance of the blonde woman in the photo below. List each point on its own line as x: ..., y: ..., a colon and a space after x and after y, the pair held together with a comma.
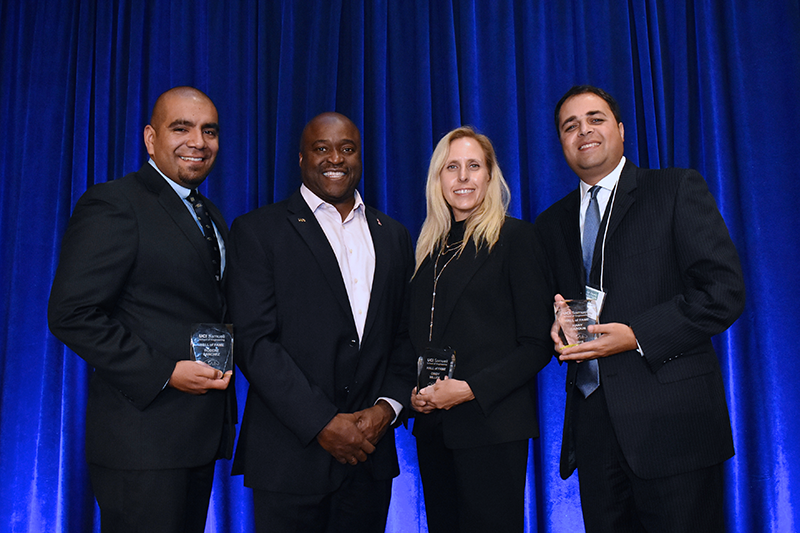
x: 474, y: 294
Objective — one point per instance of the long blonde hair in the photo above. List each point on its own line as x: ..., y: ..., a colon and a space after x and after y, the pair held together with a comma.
x: 483, y: 225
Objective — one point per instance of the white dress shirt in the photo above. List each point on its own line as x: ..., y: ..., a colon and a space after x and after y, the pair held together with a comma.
x: 606, y: 185
x: 352, y: 245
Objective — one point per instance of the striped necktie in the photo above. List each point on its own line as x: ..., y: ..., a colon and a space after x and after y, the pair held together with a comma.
x: 587, y: 378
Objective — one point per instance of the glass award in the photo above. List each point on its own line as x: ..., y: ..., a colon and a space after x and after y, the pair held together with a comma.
x: 574, y: 318
x: 433, y: 364
x: 213, y: 344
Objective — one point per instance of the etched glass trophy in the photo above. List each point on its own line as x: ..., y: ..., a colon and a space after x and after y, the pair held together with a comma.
x: 213, y: 345
x: 435, y: 364
x: 574, y: 318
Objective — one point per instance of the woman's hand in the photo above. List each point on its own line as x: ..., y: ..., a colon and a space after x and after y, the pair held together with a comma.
x: 444, y: 394
x: 418, y: 403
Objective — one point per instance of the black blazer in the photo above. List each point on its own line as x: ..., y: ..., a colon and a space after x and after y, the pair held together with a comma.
x: 672, y: 274
x: 298, y: 344
x: 485, y: 311
x: 134, y: 275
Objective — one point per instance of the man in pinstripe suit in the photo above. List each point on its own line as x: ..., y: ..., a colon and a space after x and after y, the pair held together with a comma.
x: 649, y: 443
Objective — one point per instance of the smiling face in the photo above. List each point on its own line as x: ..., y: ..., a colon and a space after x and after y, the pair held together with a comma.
x: 465, y: 177
x: 330, y: 160
x: 183, y: 136
x: 591, y: 138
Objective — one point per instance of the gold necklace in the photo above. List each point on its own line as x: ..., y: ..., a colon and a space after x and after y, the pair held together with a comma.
x: 446, y: 249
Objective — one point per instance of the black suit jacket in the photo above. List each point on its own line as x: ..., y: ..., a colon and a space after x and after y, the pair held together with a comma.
x: 672, y: 274
x: 134, y: 276
x: 485, y: 310
x: 299, y: 347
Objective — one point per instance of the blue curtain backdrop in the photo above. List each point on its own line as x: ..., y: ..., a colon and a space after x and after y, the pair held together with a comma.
x: 707, y: 84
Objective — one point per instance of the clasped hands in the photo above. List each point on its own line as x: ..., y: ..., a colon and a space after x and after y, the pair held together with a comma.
x: 611, y: 339
x: 350, y: 437
x: 444, y: 394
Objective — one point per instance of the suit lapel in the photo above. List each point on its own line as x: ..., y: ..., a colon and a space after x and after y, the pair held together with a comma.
x: 177, y: 210
x: 217, y: 218
x: 571, y: 232
x: 383, y: 265
x: 470, y: 264
x: 623, y: 200
x: 222, y: 228
x: 305, y: 223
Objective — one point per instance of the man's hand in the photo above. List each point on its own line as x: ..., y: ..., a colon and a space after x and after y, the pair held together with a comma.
x: 374, y: 422
x: 444, y: 394
x: 344, y: 441
x: 196, y: 377
x: 614, y: 338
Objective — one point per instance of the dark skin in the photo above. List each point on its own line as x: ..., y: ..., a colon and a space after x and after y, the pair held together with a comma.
x: 330, y: 167
x: 350, y: 437
x: 330, y: 160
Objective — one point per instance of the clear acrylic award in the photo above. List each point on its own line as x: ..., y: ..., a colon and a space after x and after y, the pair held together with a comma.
x: 213, y: 345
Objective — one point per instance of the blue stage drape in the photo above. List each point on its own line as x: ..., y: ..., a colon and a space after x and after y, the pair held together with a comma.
x: 702, y: 83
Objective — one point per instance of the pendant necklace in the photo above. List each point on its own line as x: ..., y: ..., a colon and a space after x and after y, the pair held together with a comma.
x: 444, y: 250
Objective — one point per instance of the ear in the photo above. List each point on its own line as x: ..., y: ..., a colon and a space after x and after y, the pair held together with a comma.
x: 149, y: 139
x: 622, y: 131
x: 300, y: 163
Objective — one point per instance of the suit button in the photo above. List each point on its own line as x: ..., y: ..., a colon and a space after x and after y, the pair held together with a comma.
x: 353, y: 343
x: 347, y: 390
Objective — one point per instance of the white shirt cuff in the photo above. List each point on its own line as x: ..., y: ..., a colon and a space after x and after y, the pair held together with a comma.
x: 396, y: 407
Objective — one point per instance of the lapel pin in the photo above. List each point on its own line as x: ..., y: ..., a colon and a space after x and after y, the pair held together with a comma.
x: 301, y: 220
x: 379, y: 221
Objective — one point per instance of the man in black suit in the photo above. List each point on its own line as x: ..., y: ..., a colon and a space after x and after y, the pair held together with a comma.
x: 318, y: 295
x: 649, y: 443
x: 136, y: 272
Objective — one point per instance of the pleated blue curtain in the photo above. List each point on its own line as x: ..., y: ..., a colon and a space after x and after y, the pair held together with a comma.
x: 703, y: 84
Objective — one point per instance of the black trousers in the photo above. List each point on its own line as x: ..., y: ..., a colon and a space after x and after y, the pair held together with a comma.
x: 615, y: 500
x: 479, y: 489
x: 361, y: 504
x: 143, y: 501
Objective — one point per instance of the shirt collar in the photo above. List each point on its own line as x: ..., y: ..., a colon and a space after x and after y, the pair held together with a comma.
x: 179, y: 189
x: 315, y: 201
x: 608, y: 183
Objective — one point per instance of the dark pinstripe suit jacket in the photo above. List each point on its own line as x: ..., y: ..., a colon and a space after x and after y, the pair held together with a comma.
x: 672, y: 274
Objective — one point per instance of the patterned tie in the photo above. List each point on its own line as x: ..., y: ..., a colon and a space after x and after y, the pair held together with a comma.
x: 588, y: 376
x: 207, y: 228
x: 591, y: 225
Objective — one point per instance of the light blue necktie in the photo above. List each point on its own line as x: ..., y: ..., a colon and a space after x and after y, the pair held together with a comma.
x: 588, y: 376
x: 591, y: 225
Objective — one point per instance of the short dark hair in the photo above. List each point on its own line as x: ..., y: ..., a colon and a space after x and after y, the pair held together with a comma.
x: 583, y: 89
